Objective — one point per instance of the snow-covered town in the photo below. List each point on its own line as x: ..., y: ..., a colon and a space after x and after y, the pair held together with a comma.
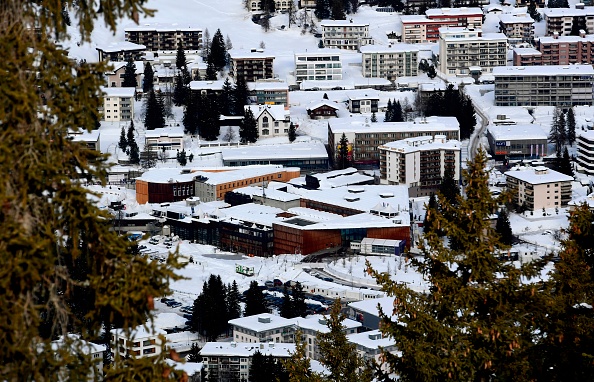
x: 290, y: 147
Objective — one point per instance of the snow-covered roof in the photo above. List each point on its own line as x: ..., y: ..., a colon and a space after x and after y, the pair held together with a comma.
x: 169, y: 131
x: 191, y: 368
x: 565, y: 39
x: 139, y: 332
x: 382, y: 242
x: 253, y: 214
x: 167, y: 175
x: 324, y: 52
x: 83, y: 135
x: 270, y: 193
x: 117, y: 65
x: 359, y: 125
x: 119, y: 92
x: 230, y: 174
x: 295, y: 150
x: 278, y: 112
x: 243, y: 349
x: 249, y: 54
x: 515, y: 19
x: 370, y: 306
x: 342, y: 23
x: 74, y: 339
x: 162, y: 27
x: 168, y: 321
x: 462, y: 11
x: 362, y: 94
x: 422, y: 143
x: 317, y: 104
x: 527, y: 51
x: 207, y: 85
x: 409, y: 19
x: 568, y: 12
x: 389, y: 48
x: 548, y: 70
x: 318, y: 323
x: 268, y: 85
x: 448, y: 33
x: 119, y: 46
x: 513, y: 132
x: 262, y: 322
x: 538, y: 175
x: 373, y: 339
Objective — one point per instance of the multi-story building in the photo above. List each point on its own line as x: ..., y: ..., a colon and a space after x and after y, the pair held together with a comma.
x: 539, y: 187
x: 419, y: 163
x: 269, y: 92
x: 321, y: 65
x: 263, y: 327
x: 307, y: 3
x: 461, y: 49
x: 554, y: 85
x: 164, y: 139
x: 517, y: 28
x: 585, y: 152
x: 231, y: 361
x: 372, y: 344
x: 272, y: 120
x: 364, y: 137
x: 565, y: 50
x: 467, y: 17
x: 156, y: 37
x: 517, y: 141
x: 120, y: 51
x: 345, y: 34
x: 280, y: 5
x: 115, y: 77
x: 311, y: 325
x: 252, y: 66
x: 526, y: 57
x: 390, y: 62
x: 118, y: 104
x: 94, y: 351
x: 525, y: 3
x: 562, y: 20
x: 418, y: 29
x: 363, y: 101
x: 139, y: 343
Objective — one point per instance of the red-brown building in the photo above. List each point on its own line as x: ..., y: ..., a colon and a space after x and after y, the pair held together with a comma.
x: 322, y: 110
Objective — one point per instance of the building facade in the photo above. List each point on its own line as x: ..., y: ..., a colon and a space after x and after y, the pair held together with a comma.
x: 391, y: 62
x: 118, y: 104
x: 565, y: 50
x: 272, y: 120
x: 419, y: 163
x: 461, y: 49
x: 121, y: 51
x: 269, y: 92
x: 517, y: 141
x: 345, y: 34
x: 585, y: 152
x: 562, y: 20
x: 157, y: 37
x: 264, y: 327
x: 517, y: 28
x: 418, y: 29
x: 539, y: 187
x: 554, y: 85
x: 252, y: 66
x: 115, y: 77
x: 140, y: 343
x: 323, y: 65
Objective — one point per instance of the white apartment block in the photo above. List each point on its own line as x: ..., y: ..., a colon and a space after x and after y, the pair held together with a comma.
x: 310, y: 326
x: 320, y: 65
x: 94, y: 351
x: 272, y: 120
x: 118, y: 104
x: 345, y: 34
x: 561, y: 20
x: 231, y: 361
x: 419, y: 163
x: 370, y: 345
x: 263, y: 327
x: 461, y: 49
x: 517, y: 28
x: 139, y: 343
x: 390, y: 62
x: 585, y: 152
x: 539, y: 187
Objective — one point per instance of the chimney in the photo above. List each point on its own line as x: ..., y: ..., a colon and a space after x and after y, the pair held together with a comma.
x: 579, y: 6
x: 582, y: 33
x: 555, y: 35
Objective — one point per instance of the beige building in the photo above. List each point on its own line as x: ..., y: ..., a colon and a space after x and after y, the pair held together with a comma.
x: 280, y: 5
x: 263, y: 327
x: 345, y: 34
x: 372, y: 344
x: 157, y: 37
x: 272, y: 120
x: 419, y: 163
x: 561, y: 20
x: 390, y: 62
x: 314, y: 324
x: 139, y: 343
x: 539, y: 187
x: 252, y: 65
x: 462, y: 49
x: 120, y: 51
x: 118, y: 104
x: 517, y: 28
x: 320, y: 65
x: 418, y: 29
x: 585, y: 152
x: 115, y: 77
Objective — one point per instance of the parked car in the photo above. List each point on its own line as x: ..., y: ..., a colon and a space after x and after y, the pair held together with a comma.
x: 278, y: 283
x: 187, y: 316
x: 328, y: 279
x: 176, y: 304
x: 269, y: 284
x: 165, y: 300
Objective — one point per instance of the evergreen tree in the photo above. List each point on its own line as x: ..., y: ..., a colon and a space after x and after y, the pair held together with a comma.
x: 227, y: 98
x: 503, y: 228
x: 180, y: 91
x: 564, y: 165
x: 533, y: 12
x: 570, y: 131
x: 397, y: 112
x: 321, y: 44
x: 292, y: 13
x: 449, y: 188
x: 149, y: 78
x: 130, y: 137
x: 64, y: 269
x: 556, y: 135
x: 210, y: 309
x: 466, y: 117
x: 218, y: 52
x: 123, y: 143
x: 209, y: 118
x: 130, y: 75
x: 388, y: 116
x: 133, y: 153
x: 153, y: 118
x: 477, y: 319
x: 322, y: 10
x: 65, y: 14
x: 337, y: 354
x: 292, y: 133
x: 431, y: 72
x: 373, y: 117
x: 248, y: 129
x: 194, y: 354
x: 428, y: 222
x: 211, y: 72
x: 299, y: 305
x: 343, y: 160
x: 181, y: 63
x: 233, y: 302
x: 578, y: 23
x: 242, y: 93
x: 337, y: 10
x: 299, y: 365
x: 228, y: 45
x: 181, y: 158
x: 286, y: 309
x: 265, y: 368
x: 206, y: 41
x: 190, y: 117
x: 254, y: 301
x: 325, y: 96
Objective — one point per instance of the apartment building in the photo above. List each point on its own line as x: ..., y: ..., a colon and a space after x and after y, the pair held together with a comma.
x: 120, y: 51
x: 372, y: 344
x: 363, y: 101
x: 320, y: 65
x: 565, y: 50
x: 554, y: 85
x: 345, y: 34
x: 115, y: 76
x: 231, y: 361
x: 272, y: 120
x: 390, y: 62
x: 157, y: 37
x: 118, y: 104
x: 269, y: 92
x: 139, y: 343
x: 526, y: 57
x: 518, y: 28
x: 164, y: 139
x: 419, y: 163
x: 252, y: 65
x: 561, y: 20
x: 94, y: 351
x: 365, y: 137
x: 311, y: 325
x: 263, y: 327
x: 539, y: 187
x: 528, y: 141
x: 280, y: 5
x: 417, y: 29
x: 585, y: 152
x: 461, y: 49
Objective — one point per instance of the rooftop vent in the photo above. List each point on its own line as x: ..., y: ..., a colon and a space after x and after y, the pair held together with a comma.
x: 375, y: 336
x: 386, y: 195
x: 264, y: 320
x: 351, y: 198
x: 322, y: 321
x: 356, y: 190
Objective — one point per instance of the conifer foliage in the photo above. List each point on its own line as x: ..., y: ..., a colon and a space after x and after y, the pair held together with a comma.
x: 477, y: 318
x: 149, y: 78
x: 248, y: 129
x: 130, y: 75
x: 154, y: 117
x: 63, y: 269
x: 453, y: 103
x: 254, y: 301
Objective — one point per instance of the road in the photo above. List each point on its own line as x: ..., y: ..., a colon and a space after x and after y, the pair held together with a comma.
x: 475, y: 138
